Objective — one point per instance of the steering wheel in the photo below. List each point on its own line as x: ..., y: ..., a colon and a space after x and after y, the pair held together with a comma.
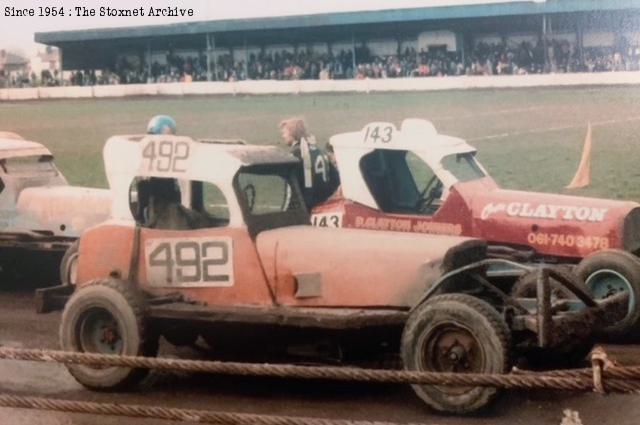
x: 430, y: 193
x: 250, y: 195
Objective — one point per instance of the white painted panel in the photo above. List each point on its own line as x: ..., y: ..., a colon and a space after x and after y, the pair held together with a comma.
x: 437, y: 38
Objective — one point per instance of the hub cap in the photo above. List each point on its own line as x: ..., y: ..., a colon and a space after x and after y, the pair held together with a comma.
x: 99, y: 332
x: 606, y: 283
x: 452, y: 348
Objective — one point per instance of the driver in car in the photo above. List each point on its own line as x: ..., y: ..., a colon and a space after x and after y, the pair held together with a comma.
x: 165, y: 210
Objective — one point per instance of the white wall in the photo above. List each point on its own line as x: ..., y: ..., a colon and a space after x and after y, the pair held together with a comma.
x: 633, y: 38
x: 437, y: 38
x: 571, y: 37
x: 383, y: 47
x: 336, y: 86
x: 320, y: 48
x: 341, y: 45
x: 277, y: 48
x: 517, y: 39
x: 487, y: 38
x: 411, y: 44
x: 599, y: 39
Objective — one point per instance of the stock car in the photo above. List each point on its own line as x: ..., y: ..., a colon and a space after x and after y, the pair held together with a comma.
x: 41, y: 215
x: 212, y: 239
x: 413, y: 179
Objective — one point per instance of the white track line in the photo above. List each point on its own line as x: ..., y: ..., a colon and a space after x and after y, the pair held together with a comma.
x: 551, y: 129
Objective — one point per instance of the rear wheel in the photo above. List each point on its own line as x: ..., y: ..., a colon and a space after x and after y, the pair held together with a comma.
x: 572, y: 351
x: 527, y: 285
x: 607, y: 273
x: 69, y: 265
x: 456, y: 333
x: 106, y: 317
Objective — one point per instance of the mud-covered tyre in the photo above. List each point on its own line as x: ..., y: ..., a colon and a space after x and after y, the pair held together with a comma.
x: 107, y: 317
x: 456, y: 333
x: 607, y: 273
x: 69, y: 263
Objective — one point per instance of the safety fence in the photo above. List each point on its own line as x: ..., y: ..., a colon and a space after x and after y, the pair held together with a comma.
x: 603, y: 376
x: 268, y: 87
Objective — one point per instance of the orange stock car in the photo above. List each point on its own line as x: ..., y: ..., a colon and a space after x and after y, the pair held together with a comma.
x: 207, y: 238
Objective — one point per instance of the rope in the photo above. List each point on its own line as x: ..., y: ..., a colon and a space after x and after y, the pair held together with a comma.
x: 603, y: 379
x: 167, y: 413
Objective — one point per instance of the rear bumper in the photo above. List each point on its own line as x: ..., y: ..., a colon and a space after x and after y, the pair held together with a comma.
x: 53, y: 298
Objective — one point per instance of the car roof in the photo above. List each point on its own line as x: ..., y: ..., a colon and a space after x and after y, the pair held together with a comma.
x: 207, y: 160
x: 10, y: 147
x: 415, y: 134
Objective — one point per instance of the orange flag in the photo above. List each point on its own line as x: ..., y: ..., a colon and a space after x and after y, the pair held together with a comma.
x: 583, y: 175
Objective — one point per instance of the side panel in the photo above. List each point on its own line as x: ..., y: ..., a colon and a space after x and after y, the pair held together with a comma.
x: 105, y: 251
x: 199, y: 267
x: 557, y: 225
x: 351, y: 268
x: 453, y: 218
x: 217, y: 266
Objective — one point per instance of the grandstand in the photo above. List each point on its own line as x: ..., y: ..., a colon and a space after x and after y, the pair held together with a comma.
x: 481, y: 39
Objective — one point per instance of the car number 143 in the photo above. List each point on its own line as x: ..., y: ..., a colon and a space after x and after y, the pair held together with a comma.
x: 327, y: 220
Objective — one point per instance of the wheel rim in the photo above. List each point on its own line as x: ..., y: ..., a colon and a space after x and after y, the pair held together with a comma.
x: 606, y: 283
x: 99, y: 332
x: 452, y: 348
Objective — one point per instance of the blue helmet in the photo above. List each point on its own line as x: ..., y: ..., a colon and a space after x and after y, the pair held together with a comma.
x: 161, y: 124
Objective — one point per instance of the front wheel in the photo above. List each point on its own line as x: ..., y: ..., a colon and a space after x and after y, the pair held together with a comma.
x: 106, y: 317
x: 456, y: 333
x: 607, y: 273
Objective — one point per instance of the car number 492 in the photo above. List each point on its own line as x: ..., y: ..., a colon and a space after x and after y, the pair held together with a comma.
x: 189, y: 262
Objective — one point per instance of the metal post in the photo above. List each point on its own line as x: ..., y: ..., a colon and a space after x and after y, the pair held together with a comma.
x: 544, y: 41
x: 212, y: 38
x: 580, y: 41
x: 353, y: 55
x: 246, y: 59
x: 462, y: 50
x: 148, y: 60
x: 60, y: 66
x: 208, y: 57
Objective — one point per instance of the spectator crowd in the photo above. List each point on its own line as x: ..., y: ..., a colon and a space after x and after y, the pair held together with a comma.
x: 555, y: 56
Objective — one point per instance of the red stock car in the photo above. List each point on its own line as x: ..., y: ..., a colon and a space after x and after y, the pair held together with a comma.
x: 413, y: 179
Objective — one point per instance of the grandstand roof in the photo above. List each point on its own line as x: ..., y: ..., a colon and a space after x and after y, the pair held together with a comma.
x: 340, y: 19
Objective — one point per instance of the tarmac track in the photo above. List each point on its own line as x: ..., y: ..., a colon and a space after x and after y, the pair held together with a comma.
x: 21, y: 327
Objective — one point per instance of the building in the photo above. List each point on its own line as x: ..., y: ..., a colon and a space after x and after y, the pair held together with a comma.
x: 12, y: 65
x: 584, y: 24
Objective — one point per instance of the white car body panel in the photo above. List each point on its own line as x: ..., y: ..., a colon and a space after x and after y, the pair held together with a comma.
x: 415, y: 135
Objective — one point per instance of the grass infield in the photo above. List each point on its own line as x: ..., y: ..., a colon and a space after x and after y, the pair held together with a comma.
x: 528, y: 139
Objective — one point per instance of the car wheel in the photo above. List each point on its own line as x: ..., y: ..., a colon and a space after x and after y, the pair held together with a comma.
x: 106, y: 317
x: 527, y: 285
x: 607, y: 273
x: 69, y: 265
x: 571, y: 352
x: 456, y: 333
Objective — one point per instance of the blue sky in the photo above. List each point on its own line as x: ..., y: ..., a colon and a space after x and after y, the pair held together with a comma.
x: 16, y: 33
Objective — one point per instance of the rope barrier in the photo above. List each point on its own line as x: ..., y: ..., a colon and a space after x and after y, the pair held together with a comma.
x: 603, y: 377
x: 167, y: 413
